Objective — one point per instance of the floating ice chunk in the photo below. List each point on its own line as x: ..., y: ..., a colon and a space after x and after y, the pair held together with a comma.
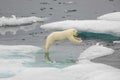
x: 98, y: 44
x: 13, y: 23
x: 13, y: 16
x: 19, y: 20
x: 110, y: 16
x: 96, y: 26
x: 116, y: 42
x: 95, y: 51
x: 14, y: 29
x: 70, y: 2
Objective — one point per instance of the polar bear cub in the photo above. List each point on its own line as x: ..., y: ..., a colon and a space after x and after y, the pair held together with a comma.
x: 70, y: 34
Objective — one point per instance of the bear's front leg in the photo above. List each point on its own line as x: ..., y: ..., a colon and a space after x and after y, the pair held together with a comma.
x: 75, y: 39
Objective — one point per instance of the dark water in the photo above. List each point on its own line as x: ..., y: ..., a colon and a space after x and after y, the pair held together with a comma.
x: 58, y: 10
x: 64, y: 53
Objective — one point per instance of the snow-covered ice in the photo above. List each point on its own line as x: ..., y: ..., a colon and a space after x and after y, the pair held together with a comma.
x: 11, y: 60
x: 9, y: 21
x: 83, y: 70
x: 18, y: 49
x: 108, y: 23
x: 116, y: 42
x: 95, y: 51
x: 95, y: 26
x: 110, y: 16
x: 13, y: 23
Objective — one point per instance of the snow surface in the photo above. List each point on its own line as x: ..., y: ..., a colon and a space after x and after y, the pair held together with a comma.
x: 83, y: 70
x: 95, y: 26
x: 110, y: 16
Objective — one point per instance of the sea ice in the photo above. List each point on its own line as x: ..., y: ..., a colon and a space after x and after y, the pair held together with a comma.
x: 95, y: 26
x: 12, y: 58
x: 84, y: 70
x: 95, y: 51
x: 9, y: 21
x: 110, y: 16
x: 13, y: 23
x: 18, y: 49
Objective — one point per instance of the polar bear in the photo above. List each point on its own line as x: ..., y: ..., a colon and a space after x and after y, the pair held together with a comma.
x: 70, y: 34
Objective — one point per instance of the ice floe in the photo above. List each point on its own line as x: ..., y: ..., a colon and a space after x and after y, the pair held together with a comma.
x: 95, y: 26
x: 95, y: 51
x: 108, y: 23
x: 13, y: 23
x: 116, y: 42
x: 18, y: 49
x: 83, y: 70
x: 110, y: 16
x: 12, y: 58
x: 13, y: 20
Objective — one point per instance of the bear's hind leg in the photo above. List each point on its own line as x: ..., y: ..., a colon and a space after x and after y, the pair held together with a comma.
x: 47, y: 46
x: 47, y: 58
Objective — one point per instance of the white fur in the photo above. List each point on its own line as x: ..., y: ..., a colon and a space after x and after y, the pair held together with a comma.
x: 61, y: 35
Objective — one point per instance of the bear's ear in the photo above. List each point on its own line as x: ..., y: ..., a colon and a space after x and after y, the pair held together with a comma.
x: 74, y: 31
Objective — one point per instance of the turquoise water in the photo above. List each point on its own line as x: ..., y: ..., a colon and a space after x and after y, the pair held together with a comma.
x: 100, y: 36
x: 18, y: 61
x: 39, y: 62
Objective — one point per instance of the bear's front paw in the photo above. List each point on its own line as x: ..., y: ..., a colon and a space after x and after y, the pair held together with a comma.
x: 79, y: 40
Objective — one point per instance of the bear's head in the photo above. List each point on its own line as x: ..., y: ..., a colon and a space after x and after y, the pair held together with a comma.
x: 74, y: 32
